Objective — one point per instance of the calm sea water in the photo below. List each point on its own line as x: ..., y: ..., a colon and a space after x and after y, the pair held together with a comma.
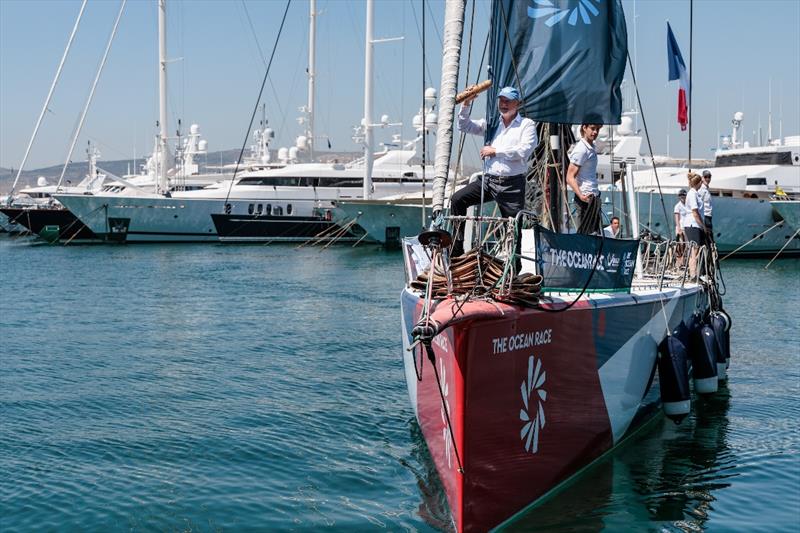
x: 234, y: 388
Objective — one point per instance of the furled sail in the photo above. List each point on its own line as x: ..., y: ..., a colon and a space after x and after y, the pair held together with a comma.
x: 567, y: 57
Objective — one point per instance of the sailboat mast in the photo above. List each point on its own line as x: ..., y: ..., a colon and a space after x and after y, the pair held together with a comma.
x: 691, y: 88
x: 312, y: 34
x: 453, y: 32
x: 162, y: 95
x: 368, y: 137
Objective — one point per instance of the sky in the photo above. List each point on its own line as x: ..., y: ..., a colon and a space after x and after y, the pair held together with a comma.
x: 218, y: 52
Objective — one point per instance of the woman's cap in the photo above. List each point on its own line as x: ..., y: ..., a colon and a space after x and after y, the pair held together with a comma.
x: 682, y: 192
x: 509, y: 92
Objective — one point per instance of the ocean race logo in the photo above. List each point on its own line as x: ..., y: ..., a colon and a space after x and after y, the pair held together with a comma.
x: 447, y: 439
x: 533, y: 398
x: 586, y: 9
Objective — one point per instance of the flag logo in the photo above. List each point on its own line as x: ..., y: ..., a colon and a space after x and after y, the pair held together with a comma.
x: 586, y: 9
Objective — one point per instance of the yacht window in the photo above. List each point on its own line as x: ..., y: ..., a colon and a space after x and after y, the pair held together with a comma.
x: 250, y: 209
x: 269, y: 209
x: 288, y: 209
x: 227, y: 209
x: 260, y: 209
x: 278, y: 210
x: 768, y: 158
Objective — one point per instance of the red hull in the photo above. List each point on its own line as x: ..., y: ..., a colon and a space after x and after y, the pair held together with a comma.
x: 528, y: 403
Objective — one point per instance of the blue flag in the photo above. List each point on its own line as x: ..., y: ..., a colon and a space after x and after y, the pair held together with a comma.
x: 567, y: 58
x: 677, y: 67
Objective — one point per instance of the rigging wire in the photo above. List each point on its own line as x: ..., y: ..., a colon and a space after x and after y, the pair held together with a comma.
x: 649, y: 144
x: 419, y: 33
x: 258, y: 100
x: 264, y: 62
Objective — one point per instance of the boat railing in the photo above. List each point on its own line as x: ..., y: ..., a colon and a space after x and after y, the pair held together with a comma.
x: 668, y: 263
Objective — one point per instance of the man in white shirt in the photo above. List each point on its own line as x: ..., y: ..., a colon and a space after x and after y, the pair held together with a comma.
x: 705, y: 195
x: 505, y: 161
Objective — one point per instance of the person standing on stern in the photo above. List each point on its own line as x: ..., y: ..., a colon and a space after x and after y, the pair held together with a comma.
x: 705, y: 195
x: 505, y: 161
x: 582, y: 179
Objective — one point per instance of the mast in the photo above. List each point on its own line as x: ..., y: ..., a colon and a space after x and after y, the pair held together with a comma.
x: 312, y: 33
x: 691, y: 89
x: 453, y: 30
x: 47, y: 100
x: 161, y: 160
x: 368, y: 136
x: 769, y: 124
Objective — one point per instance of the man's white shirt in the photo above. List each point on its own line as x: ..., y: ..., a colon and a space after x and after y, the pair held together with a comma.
x: 584, y: 156
x: 513, y: 144
x: 705, y: 195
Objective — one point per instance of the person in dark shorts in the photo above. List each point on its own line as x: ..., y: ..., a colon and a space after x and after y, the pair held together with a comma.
x: 505, y: 162
x: 582, y: 179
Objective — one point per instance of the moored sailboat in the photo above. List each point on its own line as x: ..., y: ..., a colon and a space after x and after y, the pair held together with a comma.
x: 521, y: 377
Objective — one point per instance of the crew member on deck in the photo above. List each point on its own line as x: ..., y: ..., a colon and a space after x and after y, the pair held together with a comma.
x: 705, y: 194
x: 612, y: 230
x: 694, y: 228
x: 505, y: 161
x: 582, y: 179
x: 682, y: 215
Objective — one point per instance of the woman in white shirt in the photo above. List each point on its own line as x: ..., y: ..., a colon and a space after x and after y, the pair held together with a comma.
x: 582, y: 179
x: 681, y: 216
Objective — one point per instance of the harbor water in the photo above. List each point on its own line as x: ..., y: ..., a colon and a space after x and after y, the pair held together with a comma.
x: 261, y: 388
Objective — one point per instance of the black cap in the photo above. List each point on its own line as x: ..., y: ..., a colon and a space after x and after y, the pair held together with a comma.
x: 706, y: 173
x: 682, y: 192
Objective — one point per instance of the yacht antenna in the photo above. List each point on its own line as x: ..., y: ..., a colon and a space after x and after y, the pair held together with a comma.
x: 780, y: 112
x: 769, y: 116
x: 47, y: 100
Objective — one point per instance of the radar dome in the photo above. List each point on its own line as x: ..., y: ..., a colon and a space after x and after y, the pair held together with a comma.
x: 626, y: 126
x: 41, y: 181
x: 738, y: 116
x: 194, y: 129
x: 431, y: 119
x: 301, y: 143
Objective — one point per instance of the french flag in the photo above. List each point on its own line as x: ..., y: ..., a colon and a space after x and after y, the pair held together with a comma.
x: 677, y: 70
